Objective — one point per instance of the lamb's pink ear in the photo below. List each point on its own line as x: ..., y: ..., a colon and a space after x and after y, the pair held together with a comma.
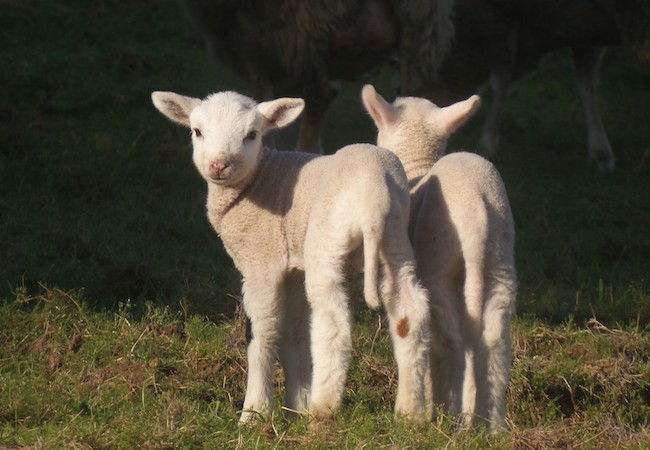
x: 281, y: 112
x: 382, y: 112
x: 175, y: 106
x: 454, y: 116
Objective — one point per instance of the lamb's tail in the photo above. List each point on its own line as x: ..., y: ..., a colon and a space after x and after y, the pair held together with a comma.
x: 371, y: 270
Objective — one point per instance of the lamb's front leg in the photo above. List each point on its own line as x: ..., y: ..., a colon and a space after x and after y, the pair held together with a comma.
x: 262, y: 303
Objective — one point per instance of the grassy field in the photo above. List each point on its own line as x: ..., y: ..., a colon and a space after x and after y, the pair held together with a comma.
x: 119, y: 318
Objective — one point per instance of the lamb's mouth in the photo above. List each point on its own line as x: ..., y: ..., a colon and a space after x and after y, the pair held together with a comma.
x: 220, y: 172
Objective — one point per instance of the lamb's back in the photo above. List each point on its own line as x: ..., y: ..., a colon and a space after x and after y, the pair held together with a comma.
x: 461, y: 200
x: 268, y: 224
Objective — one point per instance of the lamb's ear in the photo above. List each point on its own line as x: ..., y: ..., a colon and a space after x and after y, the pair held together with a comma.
x: 454, y: 116
x: 281, y: 112
x: 382, y: 112
x: 175, y: 106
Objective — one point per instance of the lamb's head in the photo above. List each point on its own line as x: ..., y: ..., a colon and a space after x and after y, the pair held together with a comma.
x: 227, y: 130
x: 414, y: 128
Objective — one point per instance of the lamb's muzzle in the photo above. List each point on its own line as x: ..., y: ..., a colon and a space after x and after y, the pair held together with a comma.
x: 219, y: 171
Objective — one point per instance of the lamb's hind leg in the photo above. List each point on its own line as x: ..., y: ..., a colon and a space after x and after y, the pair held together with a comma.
x: 494, y: 350
x: 295, y: 353
x: 447, y: 357
x: 331, y: 325
x: 472, y: 325
x: 407, y: 307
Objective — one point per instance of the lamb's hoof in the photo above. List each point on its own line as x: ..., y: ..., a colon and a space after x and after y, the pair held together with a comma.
x: 322, y: 421
x: 321, y: 413
x: 416, y: 415
x: 465, y: 421
x: 250, y: 417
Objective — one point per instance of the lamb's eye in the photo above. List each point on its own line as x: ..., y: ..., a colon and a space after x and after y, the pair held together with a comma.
x: 196, y: 132
x: 251, y: 136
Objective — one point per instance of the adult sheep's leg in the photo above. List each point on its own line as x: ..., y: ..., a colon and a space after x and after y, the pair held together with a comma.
x: 587, y: 65
x: 502, y: 63
x: 331, y: 324
x: 300, y: 135
x: 295, y: 353
x: 318, y: 94
x: 262, y: 300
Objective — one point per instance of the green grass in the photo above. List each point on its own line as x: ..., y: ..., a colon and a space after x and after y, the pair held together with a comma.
x: 76, y: 378
x: 119, y: 317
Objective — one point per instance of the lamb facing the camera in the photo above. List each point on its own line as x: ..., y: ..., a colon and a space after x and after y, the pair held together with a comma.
x: 293, y: 224
x: 462, y: 232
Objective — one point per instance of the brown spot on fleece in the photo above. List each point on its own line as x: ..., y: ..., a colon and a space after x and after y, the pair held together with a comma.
x: 403, y: 327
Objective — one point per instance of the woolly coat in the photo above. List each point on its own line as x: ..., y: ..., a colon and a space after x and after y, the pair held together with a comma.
x: 280, y: 198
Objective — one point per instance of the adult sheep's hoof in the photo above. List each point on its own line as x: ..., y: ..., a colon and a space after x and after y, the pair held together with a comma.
x: 645, y: 161
x: 603, y: 158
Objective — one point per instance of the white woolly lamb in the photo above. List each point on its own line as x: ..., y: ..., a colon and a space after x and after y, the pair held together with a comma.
x: 462, y: 232
x: 293, y: 222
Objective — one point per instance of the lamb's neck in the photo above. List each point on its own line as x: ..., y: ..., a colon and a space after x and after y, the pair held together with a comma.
x: 416, y: 169
x: 221, y: 199
x: 417, y: 163
x: 418, y: 154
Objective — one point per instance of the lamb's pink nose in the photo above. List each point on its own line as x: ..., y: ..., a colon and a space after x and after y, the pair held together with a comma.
x: 216, y: 169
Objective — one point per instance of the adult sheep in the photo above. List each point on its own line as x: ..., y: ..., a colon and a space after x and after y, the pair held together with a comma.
x: 293, y: 224
x: 501, y: 40
x: 463, y: 234
x: 297, y: 48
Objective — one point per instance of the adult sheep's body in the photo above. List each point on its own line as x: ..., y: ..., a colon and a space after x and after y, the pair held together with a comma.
x: 501, y: 40
x: 297, y: 48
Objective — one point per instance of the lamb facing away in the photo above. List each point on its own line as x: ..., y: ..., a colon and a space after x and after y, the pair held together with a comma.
x: 292, y: 223
x: 501, y: 40
x: 297, y: 48
x: 462, y: 232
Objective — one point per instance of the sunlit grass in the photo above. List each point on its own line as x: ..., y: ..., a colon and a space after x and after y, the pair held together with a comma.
x: 72, y: 376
